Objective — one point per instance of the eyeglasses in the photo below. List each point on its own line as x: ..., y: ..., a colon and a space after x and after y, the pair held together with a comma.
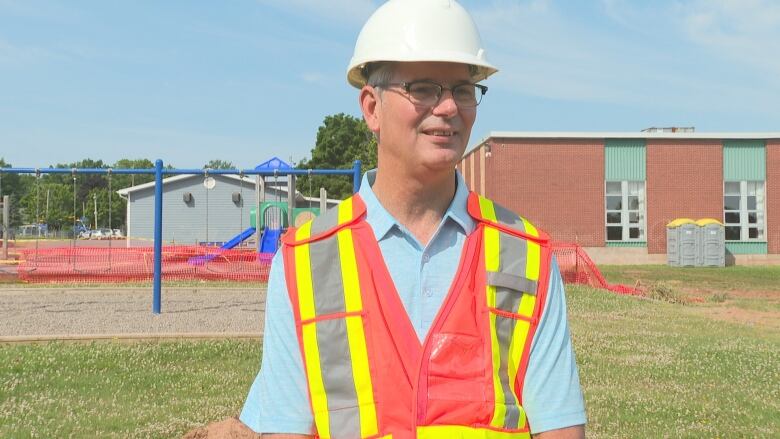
x: 428, y: 93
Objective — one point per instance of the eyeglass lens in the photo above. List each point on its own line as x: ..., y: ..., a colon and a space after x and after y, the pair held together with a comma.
x: 429, y: 93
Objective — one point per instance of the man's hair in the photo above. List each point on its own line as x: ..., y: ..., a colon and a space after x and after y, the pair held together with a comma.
x: 379, y: 73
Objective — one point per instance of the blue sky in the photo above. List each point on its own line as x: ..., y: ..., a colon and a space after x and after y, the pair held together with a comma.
x: 244, y: 80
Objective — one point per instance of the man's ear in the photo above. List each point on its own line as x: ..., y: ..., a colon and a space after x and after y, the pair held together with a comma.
x: 371, y: 107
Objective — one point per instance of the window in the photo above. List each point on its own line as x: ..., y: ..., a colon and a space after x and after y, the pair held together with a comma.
x: 625, y: 210
x: 743, y: 210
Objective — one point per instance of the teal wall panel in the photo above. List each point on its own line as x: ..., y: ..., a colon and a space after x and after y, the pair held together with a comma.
x: 744, y: 160
x: 747, y: 248
x: 626, y: 244
x: 624, y: 159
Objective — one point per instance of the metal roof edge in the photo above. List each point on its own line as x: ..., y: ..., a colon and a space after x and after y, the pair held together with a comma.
x: 766, y: 135
x: 175, y: 178
x: 630, y: 135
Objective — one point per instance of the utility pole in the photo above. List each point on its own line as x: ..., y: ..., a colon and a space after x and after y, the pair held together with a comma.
x: 6, y: 223
x: 94, y: 197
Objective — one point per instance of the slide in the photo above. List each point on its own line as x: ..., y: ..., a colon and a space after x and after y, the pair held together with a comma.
x: 270, y: 242
x: 238, y: 239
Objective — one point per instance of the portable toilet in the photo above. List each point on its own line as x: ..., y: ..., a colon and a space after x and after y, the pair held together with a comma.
x: 712, y: 243
x: 681, y: 242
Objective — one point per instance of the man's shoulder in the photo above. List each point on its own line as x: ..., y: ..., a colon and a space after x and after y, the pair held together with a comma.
x: 343, y: 214
x: 487, y: 211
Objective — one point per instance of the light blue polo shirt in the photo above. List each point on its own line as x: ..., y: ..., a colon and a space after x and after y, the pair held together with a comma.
x: 278, y: 399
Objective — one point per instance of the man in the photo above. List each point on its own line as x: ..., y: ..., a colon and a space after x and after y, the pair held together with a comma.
x: 416, y: 309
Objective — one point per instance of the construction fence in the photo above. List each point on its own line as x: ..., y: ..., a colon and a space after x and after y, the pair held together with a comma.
x: 187, y: 263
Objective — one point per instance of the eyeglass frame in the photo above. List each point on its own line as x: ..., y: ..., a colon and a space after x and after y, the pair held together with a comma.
x: 407, y: 86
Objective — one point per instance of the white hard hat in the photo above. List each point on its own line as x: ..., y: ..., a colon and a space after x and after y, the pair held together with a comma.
x: 419, y: 30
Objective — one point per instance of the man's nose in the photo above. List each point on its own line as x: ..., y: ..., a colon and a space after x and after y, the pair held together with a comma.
x: 446, y: 105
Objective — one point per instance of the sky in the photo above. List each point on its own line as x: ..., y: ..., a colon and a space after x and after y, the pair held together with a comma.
x: 188, y: 81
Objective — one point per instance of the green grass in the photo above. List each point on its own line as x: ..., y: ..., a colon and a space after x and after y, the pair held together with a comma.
x: 121, y: 390
x: 648, y: 368
x: 652, y: 369
x: 738, y: 277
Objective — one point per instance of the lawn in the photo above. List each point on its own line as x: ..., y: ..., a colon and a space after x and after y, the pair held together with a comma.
x: 648, y: 369
x: 121, y: 390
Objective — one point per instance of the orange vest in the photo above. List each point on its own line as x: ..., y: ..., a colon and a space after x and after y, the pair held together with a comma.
x: 368, y: 375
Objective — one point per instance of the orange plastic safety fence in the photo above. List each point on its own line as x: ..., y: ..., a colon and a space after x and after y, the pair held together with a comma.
x: 103, y: 265
x: 577, y: 268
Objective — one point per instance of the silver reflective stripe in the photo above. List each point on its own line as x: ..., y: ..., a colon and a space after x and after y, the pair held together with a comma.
x: 509, y: 218
x: 514, y: 255
x: 505, y: 327
x: 326, y: 221
x: 336, y: 366
x: 513, y: 282
x: 332, y: 337
x: 512, y: 262
x: 326, y: 277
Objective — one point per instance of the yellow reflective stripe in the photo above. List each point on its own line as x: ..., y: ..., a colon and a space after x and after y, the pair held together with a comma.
x: 345, y: 211
x: 319, y: 399
x: 464, y: 432
x: 362, y: 376
x: 303, y: 274
x: 349, y: 272
x: 519, y: 336
x: 527, y: 304
x: 487, y: 209
x: 492, y: 262
x: 530, y: 228
x: 534, y: 253
x: 361, y: 373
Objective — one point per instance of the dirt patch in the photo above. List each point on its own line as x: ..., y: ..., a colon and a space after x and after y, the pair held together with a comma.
x: 764, y: 319
x: 747, y: 294
x: 230, y: 428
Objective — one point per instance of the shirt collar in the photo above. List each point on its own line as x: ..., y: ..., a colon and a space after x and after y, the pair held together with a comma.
x: 382, y: 222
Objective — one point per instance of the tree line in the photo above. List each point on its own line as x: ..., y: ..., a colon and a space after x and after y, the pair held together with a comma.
x: 55, y: 199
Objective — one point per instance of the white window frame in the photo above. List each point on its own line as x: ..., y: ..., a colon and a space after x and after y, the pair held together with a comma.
x: 625, y: 212
x: 744, y: 213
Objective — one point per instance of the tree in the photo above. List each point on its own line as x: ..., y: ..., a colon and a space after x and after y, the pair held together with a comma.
x: 125, y: 181
x: 15, y: 186
x: 59, y: 214
x: 219, y: 164
x: 341, y: 139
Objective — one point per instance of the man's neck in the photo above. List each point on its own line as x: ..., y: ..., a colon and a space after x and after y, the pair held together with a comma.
x: 417, y: 204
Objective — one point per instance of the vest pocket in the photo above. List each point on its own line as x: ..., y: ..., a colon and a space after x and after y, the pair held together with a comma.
x: 456, y: 368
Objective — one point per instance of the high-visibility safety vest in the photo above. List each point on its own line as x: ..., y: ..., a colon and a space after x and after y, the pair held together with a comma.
x: 368, y: 375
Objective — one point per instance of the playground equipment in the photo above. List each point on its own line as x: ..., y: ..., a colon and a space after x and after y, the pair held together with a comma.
x: 158, y: 172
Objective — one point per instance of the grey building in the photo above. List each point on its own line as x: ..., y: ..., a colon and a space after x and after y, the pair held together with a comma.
x: 200, y: 209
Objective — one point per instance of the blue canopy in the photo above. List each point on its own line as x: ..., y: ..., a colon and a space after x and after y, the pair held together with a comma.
x: 274, y: 163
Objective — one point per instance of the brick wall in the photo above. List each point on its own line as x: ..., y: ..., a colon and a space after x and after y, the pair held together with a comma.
x: 773, y: 196
x: 684, y: 180
x: 557, y: 184
x: 476, y: 156
x: 464, y: 168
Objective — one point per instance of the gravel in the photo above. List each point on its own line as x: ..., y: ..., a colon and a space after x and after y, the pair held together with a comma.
x: 45, y: 313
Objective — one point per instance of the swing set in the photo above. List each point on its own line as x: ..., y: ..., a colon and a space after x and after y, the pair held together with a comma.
x: 87, y: 263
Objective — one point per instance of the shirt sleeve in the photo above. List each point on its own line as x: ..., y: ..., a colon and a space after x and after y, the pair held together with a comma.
x: 552, y: 397
x: 278, y: 401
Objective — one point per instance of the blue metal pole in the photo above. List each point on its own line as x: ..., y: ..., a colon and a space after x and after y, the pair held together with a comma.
x: 158, y: 206
x: 356, y: 176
